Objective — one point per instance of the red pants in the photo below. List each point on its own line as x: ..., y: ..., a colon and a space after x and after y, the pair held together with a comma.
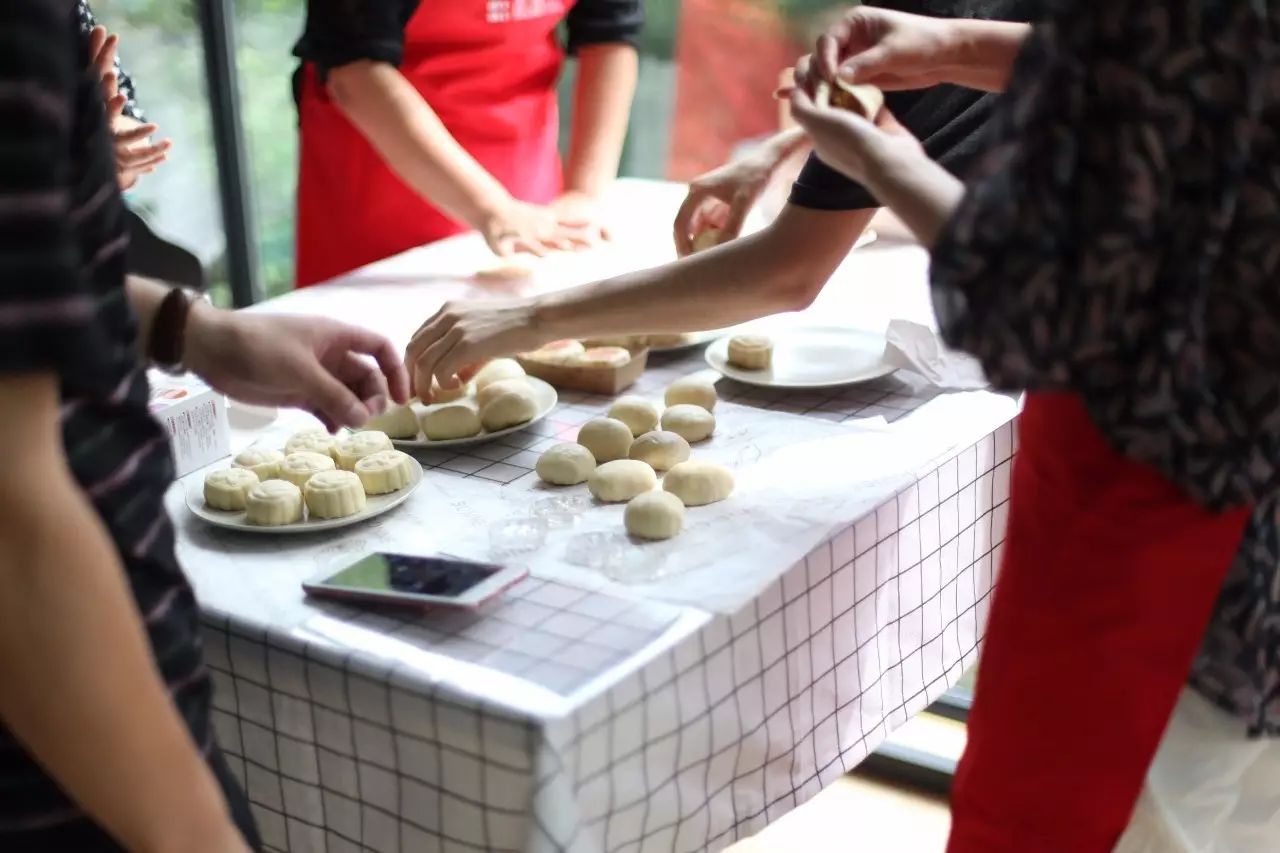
x: 1109, y: 577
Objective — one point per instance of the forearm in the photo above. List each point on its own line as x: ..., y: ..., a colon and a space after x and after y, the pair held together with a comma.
x: 922, y: 193
x: 983, y: 53
x: 145, y: 296
x: 780, y: 268
x: 391, y: 114
x: 602, y: 103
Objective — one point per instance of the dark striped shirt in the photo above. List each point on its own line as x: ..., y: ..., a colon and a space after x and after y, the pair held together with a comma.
x: 63, y: 309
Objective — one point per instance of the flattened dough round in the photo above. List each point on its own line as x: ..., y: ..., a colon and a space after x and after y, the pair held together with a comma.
x: 606, y: 438
x: 639, y: 414
x: 654, y: 515
x: 690, y: 422
x: 566, y: 464
x: 697, y: 483
x: 660, y: 449
x: 621, y: 480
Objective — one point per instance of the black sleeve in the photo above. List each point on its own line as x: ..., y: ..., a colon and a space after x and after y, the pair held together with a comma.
x: 604, y: 22
x: 339, y: 32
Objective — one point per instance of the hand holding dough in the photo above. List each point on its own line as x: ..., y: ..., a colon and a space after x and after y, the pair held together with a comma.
x: 621, y: 480
x: 654, y: 515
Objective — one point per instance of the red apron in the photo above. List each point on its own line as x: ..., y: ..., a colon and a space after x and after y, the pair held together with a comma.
x: 488, y: 68
x: 1108, y: 579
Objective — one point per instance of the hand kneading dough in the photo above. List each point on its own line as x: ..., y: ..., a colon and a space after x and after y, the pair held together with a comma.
x: 694, y: 391
x: 499, y: 368
x: 510, y: 408
x: 227, y: 489
x: 707, y: 238
x: 273, y: 503
x: 606, y: 438
x: 660, y: 449
x: 334, y: 494
x: 385, y: 471
x: 396, y: 422
x: 750, y: 352
x: 261, y: 461
x: 697, y: 483
x: 311, y: 441
x: 299, y: 467
x: 566, y: 464
x: 636, y: 412
x: 654, y: 515
x: 621, y: 480
x: 690, y: 422
x: 494, y: 390
x: 352, y: 448
x: 451, y: 421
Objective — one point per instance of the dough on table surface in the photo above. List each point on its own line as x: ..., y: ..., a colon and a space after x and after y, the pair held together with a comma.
x: 694, y: 390
x: 273, y: 503
x: 510, y: 408
x: 312, y: 441
x: 599, y: 357
x: 690, y: 422
x: 606, y: 438
x: 493, y: 390
x: 499, y: 368
x: 697, y: 483
x: 227, y: 488
x: 299, y: 467
x: 451, y: 421
x: 621, y: 480
x: 565, y: 464
x: 396, y: 422
x: 334, y: 494
x: 660, y: 449
x: 639, y: 414
x: 262, y: 461
x: 385, y: 471
x: 448, y: 395
x: 556, y: 352
x: 750, y: 352
x: 654, y: 515
x: 350, y: 449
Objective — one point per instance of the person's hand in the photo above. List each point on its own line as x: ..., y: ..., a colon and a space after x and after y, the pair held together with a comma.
x: 518, y: 226
x: 461, y: 336
x: 722, y: 198
x: 887, y: 49
x: 135, y: 154
x: 847, y: 142
x: 581, y: 211
x: 343, y: 374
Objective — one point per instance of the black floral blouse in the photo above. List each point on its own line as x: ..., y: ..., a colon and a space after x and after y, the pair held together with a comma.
x: 1121, y: 240
x: 124, y: 81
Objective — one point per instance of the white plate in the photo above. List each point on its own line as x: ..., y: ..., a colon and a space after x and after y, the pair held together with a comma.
x: 695, y: 339
x: 375, y: 505
x: 542, y: 392
x: 811, y: 357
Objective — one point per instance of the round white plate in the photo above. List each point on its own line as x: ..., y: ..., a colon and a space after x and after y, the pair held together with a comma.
x: 811, y: 357
x: 374, y: 505
x: 695, y: 339
x: 542, y: 392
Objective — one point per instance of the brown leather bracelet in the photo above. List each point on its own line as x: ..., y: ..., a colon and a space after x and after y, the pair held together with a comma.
x: 167, y: 342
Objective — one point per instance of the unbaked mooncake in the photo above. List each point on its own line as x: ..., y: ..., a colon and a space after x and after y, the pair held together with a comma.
x: 299, y: 467
x: 274, y: 503
x: 385, y: 471
x: 334, y: 494
x: 227, y: 488
x: 350, y: 449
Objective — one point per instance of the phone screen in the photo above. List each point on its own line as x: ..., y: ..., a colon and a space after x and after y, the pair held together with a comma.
x: 443, y: 577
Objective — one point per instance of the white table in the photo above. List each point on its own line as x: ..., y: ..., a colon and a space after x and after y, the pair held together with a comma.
x: 588, y: 714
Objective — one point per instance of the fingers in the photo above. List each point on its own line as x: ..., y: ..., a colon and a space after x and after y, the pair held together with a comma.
x: 365, y: 380
x: 738, y: 211
x: 428, y: 333
x: 867, y: 66
x: 115, y: 107
x: 133, y: 134
x: 803, y: 72
x: 110, y: 86
x: 431, y: 361
x: 682, y: 227
x: 330, y: 398
x: 826, y: 56
x: 97, y: 37
x: 389, y: 364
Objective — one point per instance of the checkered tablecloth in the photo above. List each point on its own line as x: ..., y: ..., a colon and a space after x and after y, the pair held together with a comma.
x: 579, y: 716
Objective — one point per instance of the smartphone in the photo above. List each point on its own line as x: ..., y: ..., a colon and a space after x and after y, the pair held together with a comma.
x: 425, y: 581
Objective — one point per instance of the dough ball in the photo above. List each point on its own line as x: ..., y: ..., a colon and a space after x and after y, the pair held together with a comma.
x: 707, y: 238
x: 352, y: 448
x: 566, y: 464
x: 299, y: 467
x: 697, y: 483
x: 273, y: 503
x: 621, y: 480
x: 557, y: 352
x: 863, y: 99
x: 448, y: 395
x: 451, y: 421
x: 637, y: 413
x: 750, y: 352
x: 654, y: 515
x: 510, y: 408
x: 493, y: 390
x: 693, y: 390
x: 396, y: 422
x: 385, y: 471
x: 310, y: 441
x: 599, y: 357
x: 606, y: 438
x: 690, y: 422
x: 499, y: 368
x: 334, y: 494
x: 261, y: 461
x: 227, y: 489
x: 660, y: 449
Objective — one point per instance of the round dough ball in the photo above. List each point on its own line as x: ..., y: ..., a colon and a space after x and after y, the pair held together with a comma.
x: 566, y: 464
x: 694, y: 391
x: 273, y: 503
x: 227, y: 489
x: 261, y: 461
x: 690, y: 422
x: 494, y: 390
x: 697, y: 483
x: 499, y: 368
x: 606, y: 438
x: 660, y: 449
x: 299, y: 467
x: 310, y: 441
x: 654, y: 515
x: 621, y: 480
x: 451, y: 421
x: 352, y: 448
x: 636, y: 412
x: 750, y: 352
x: 396, y: 422
x: 334, y: 494
x: 510, y: 408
